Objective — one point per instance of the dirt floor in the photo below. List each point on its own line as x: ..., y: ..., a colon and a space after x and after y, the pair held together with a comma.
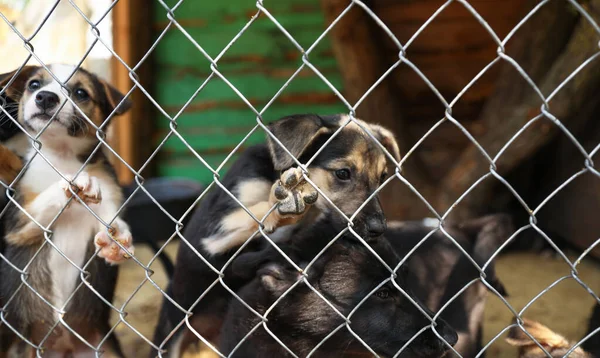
x: 565, y: 308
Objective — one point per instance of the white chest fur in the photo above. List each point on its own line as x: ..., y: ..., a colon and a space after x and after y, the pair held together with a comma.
x: 73, y: 229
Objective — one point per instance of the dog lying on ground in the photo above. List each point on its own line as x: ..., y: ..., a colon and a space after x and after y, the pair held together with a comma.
x: 552, y: 342
x: 437, y: 271
x: 348, y: 171
x: 53, y: 268
x: 352, y: 282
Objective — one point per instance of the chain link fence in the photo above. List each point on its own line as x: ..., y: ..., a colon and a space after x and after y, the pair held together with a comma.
x: 303, y: 277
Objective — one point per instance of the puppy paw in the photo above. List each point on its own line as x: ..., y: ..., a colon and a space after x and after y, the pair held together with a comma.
x: 86, y: 187
x: 293, y: 194
x: 108, y: 249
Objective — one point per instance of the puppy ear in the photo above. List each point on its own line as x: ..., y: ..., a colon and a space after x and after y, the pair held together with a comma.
x: 245, y: 265
x: 276, y: 279
x: 387, y: 139
x: 114, y: 98
x: 544, y: 335
x: 297, y: 133
x: 17, y: 87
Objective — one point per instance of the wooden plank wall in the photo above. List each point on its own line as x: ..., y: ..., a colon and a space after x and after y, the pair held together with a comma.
x: 258, y: 65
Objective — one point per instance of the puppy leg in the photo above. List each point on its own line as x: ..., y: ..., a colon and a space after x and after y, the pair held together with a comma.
x: 106, y: 242
x: 106, y: 239
x: 46, y: 205
x: 291, y: 194
x: 86, y: 187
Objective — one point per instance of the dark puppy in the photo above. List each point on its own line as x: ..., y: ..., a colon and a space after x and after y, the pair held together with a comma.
x: 439, y: 269
x: 348, y: 170
x: 52, y: 267
x: 351, y: 280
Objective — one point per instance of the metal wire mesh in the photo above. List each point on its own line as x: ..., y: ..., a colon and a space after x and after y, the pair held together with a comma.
x: 262, y: 10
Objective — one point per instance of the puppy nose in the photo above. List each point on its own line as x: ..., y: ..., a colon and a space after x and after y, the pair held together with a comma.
x: 46, y: 100
x: 376, y: 225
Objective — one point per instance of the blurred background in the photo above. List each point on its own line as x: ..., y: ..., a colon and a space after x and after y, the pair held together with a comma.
x: 444, y: 58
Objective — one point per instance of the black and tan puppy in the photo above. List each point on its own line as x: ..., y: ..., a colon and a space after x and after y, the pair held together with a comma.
x: 439, y: 269
x: 48, y: 298
x: 347, y: 170
x: 349, y: 278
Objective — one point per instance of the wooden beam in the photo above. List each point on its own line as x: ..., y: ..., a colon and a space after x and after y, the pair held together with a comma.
x: 356, y: 42
x: 547, y: 48
x: 131, y: 38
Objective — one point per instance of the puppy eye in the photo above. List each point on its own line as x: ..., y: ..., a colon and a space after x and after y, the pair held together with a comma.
x: 383, y: 293
x: 382, y: 178
x: 81, y: 94
x: 343, y: 174
x: 34, y: 85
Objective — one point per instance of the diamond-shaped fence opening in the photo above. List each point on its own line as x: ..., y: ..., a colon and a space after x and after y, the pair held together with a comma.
x: 280, y: 246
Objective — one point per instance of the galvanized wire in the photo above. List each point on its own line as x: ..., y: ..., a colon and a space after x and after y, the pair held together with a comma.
x: 262, y: 10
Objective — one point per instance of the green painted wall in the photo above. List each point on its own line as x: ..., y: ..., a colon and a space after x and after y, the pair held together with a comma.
x: 258, y: 65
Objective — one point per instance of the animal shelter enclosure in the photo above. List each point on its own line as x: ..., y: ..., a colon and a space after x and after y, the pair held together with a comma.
x: 484, y: 111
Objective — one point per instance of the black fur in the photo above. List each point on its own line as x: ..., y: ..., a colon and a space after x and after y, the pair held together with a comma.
x: 304, y: 135
x: 436, y: 271
x: 345, y: 274
x: 255, y: 162
x: 86, y: 308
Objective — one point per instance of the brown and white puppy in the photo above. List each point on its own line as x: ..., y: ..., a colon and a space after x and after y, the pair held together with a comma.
x: 49, y: 299
x: 553, y: 343
x: 348, y: 170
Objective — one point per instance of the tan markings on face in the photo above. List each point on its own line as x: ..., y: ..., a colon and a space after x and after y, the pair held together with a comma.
x: 90, y: 107
x: 345, y: 200
x: 322, y: 179
x: 69, y: 116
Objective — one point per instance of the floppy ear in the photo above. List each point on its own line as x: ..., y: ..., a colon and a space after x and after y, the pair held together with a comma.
x: 113, y: 98
x: 246, y: 264
x: 17, y: 87
x: 387, y: 139
x: 276, y: 279
x: 297, y: 133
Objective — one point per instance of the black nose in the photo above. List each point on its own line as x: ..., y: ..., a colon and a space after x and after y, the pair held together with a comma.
x: 376, y: 225
x: 46, y: 100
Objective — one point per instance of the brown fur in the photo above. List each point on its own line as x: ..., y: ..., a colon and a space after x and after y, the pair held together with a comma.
x: 10, y: 165
x: 103, y: 97
x: 552, y: 342
x: 27, y: 248
x: 365, y: 158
